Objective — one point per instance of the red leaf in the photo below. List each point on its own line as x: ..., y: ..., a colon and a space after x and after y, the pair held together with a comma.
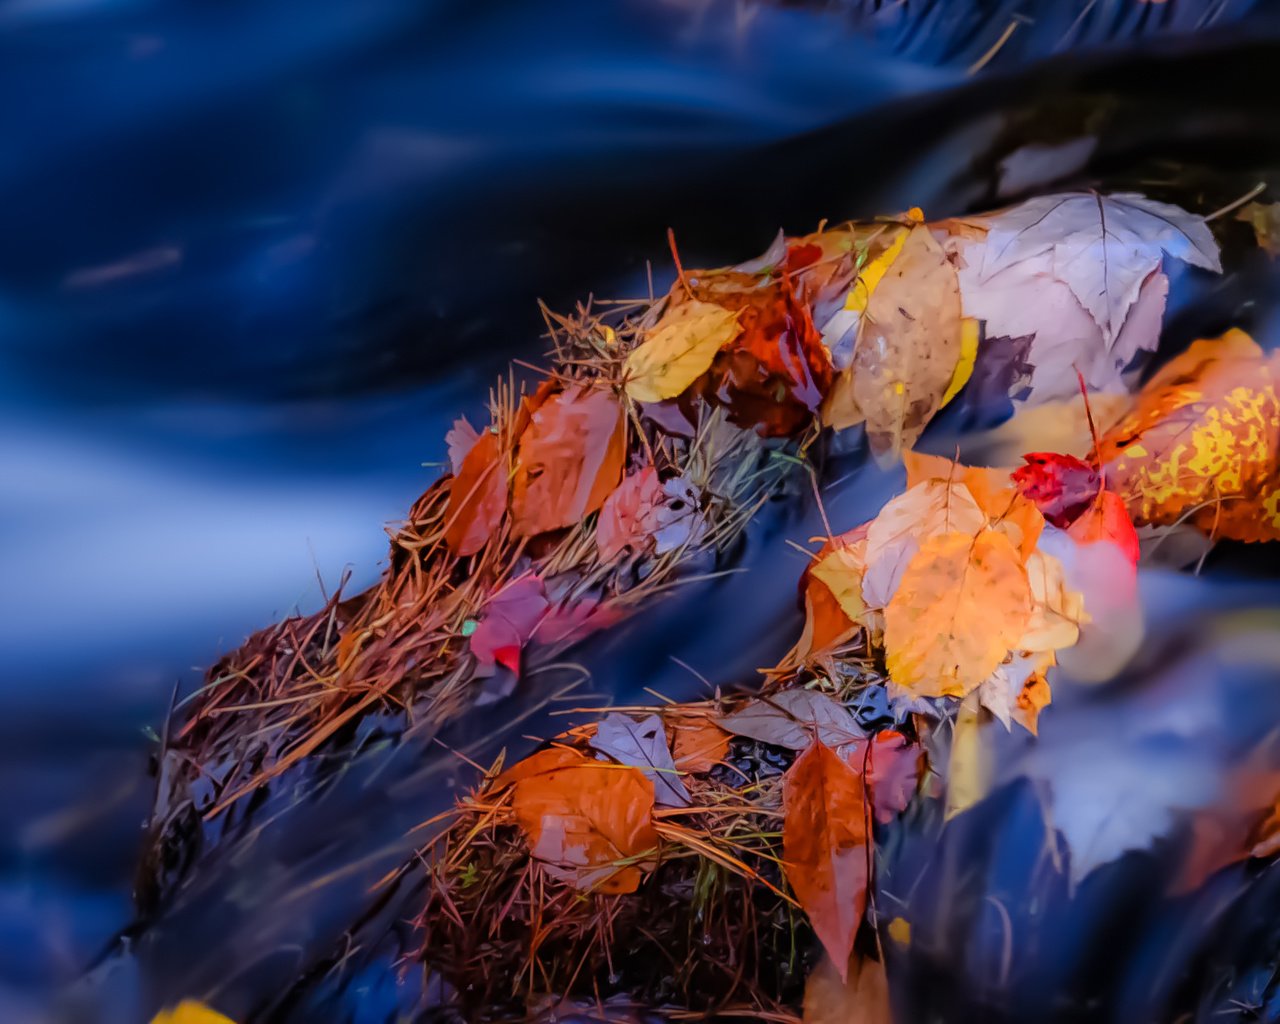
x: 570, y: 457
x: 477, y: 497
x: 824, y: 846
x: 801, y: 255
x: 892, y: 772
x: 1061, y: 486
x: 507, y: 621
x: 1107, y: 519
x: 628, y: 516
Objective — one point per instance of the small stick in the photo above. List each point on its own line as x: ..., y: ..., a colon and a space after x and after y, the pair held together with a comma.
x: 1257, y: 190
x: 671, y: 240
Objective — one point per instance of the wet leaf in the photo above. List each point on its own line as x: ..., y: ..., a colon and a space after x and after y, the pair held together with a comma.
x: 969, y: 768
x: 1061, y: 486
x: 791, y: 717
x: 824, y: 846
x: 569, y: 459
x: 507, y: 621
x: 628, y: 518
x: 890, y: 766
x: 859, y: 996
x: 1107, y: 518
x: 1202, y: 442
x: 699, y: 744
x: 539, y: 763
x: 643, y: 744
x: 1264, y: 218
x: 679, y: 349
x: 477, y: 497
x: 459, y: 440
x: 588, y: 823
x: 909, y: 343
x: 961, y: 606
x: 189, y: 1011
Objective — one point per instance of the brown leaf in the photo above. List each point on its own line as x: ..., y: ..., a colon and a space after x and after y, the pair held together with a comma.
x: 628, y: 517
x: 642, y: 744
x: 699, y: 744
x: 569, y: 458
x: 908, y: 346
x: 824, y: 846
x: 589, y: 823
x: 858, y: 996
x: 477, y: 497
x: 789, y: 719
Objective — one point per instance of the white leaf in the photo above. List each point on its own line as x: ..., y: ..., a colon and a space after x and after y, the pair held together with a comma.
x: 790, y: 718
x: 643, y: 744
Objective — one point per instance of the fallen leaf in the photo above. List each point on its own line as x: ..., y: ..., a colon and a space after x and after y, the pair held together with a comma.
x: 677, y: 520
x: 189, y: 1011
x: 628, y: 516
x: 588, y: 823
x: 908, y: 345
x: 1107, y: 518
x: 699, y: 744
x: 569, y: 459
x: 1057, y: 611
x: 790, y: 719
x: 507, y: 621
x: 538, y: 763
x: 459, y: 441
x: 892, y: 772
x: 1264, y: 218
x: 643, y: 744
x: 679, y: 349
x: 1061, y: 486
x: 1202, y: 442
x: 1002, y: 371
x: 477, y: 497
x: 969, y: 768
x: 841, y: 570
x: 824, y: 846
x: 858, y: 995
x: 961, y: 606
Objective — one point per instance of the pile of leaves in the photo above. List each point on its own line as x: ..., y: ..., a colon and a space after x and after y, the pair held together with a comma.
x: 684, y: 855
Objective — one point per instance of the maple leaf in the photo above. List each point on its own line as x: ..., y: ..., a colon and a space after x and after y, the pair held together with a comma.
x: 824, y: 846
x: 507, y: 621
x: 477, y: 496
x: 860, y: 995
x: 699, y: 744
x: 909, y: 343
x: 569, y: 459
x: 679, y: 349
x: 588, y: 823
x: 1202, y: 442
x: 1102, y: 247
x: 189, y: 1011
x: 643, y: 744
x: 1061, y: 486
x: 791, y: 718
x: 962, y: 604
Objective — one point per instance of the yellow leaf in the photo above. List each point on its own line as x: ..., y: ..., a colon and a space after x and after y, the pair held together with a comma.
x: 190, y: 1012
x: 969, y: 770
x: 962, y: 604
x: 1057, y: 613
x: 873, y: 273
x: 678, y: 350
x: 970, y: 328
x: 841, y: 570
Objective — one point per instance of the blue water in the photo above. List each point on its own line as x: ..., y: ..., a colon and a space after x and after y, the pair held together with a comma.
x: 254, y: 257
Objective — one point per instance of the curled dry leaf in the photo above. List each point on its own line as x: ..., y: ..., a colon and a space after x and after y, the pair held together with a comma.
x: 642, y: 744
x: 909, y: 343
x: 791, y: 718
x: 858, y: 996
x: 824, y: 846
x: 1202, y: 442
x: 587, y: 822
x: 570, y: 457
x: 477, y: 497
x: 679, y: 349
x: 963, y: 603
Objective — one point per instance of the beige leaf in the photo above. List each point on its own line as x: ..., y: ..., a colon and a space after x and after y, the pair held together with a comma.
x: 679, y: 349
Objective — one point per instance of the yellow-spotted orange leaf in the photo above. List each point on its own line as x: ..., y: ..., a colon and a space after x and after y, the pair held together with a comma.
x: 1202, y: 442
x: 824, y: 846
x: 960, y: 608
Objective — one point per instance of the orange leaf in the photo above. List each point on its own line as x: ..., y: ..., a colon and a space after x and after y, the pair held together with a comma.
x: 1107, y: 518
x: 699, y: 744
x: 824, y: 846
x: 961, y: 606
x: 477, y: 497
x: 857, y: 995
x: 1203, y: 440
x: 570, y: 457
x: 538, y: 764
x: 589, y: 823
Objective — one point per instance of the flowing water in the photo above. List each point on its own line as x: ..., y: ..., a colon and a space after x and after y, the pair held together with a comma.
x: 256, y: 257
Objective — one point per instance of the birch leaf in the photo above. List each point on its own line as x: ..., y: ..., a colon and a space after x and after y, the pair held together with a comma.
x: 643, y: 744
x: 679, y: 349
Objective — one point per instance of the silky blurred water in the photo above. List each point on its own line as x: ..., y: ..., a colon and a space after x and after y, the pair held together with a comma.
x: 254, y: 258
